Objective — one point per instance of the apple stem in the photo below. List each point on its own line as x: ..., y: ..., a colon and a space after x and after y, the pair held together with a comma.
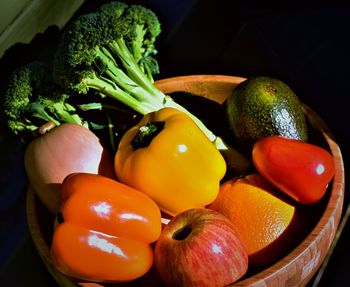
x: 182, y: 233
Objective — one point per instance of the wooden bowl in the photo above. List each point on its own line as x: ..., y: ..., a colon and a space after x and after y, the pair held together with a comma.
x: 296, y: 268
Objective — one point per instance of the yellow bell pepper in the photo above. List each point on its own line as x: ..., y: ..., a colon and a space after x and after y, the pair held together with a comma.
x: 169, y: 158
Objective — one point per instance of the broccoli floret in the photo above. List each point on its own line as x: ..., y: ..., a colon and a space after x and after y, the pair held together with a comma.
x: 30, y: 99
x: 141, y: 40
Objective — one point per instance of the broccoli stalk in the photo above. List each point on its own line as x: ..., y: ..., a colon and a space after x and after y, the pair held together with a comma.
x: 30, y: 99
x: 111, y: 51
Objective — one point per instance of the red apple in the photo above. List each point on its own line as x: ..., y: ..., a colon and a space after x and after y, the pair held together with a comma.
x: 200, y: 247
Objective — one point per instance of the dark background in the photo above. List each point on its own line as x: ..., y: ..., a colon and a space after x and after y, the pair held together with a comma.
x: 304, y: 43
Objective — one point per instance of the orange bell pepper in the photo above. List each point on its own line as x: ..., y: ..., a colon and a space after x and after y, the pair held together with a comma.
x: 104, y: 230
x: 170, y: 159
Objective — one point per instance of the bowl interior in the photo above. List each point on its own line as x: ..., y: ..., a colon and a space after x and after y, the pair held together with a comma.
x: 303, y: 260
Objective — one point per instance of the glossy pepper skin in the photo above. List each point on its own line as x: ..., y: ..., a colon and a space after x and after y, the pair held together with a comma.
x: 104, y: 230
x: 178, y: 167
x: 299, y: 169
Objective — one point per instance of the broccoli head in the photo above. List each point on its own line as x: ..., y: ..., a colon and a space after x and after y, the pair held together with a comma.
x: 30, y: 99
x: 111, y: 51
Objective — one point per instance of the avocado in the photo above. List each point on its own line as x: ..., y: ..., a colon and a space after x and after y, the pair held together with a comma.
x: 264, y: 106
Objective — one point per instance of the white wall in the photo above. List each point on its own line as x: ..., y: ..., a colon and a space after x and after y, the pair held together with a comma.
x: 9, y: 10
x: 21, y: 20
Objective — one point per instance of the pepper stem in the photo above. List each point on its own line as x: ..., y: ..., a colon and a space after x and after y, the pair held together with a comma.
x: 146, y: 134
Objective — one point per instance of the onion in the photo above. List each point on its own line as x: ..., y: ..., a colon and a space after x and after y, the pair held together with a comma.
x: 60, y: 151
